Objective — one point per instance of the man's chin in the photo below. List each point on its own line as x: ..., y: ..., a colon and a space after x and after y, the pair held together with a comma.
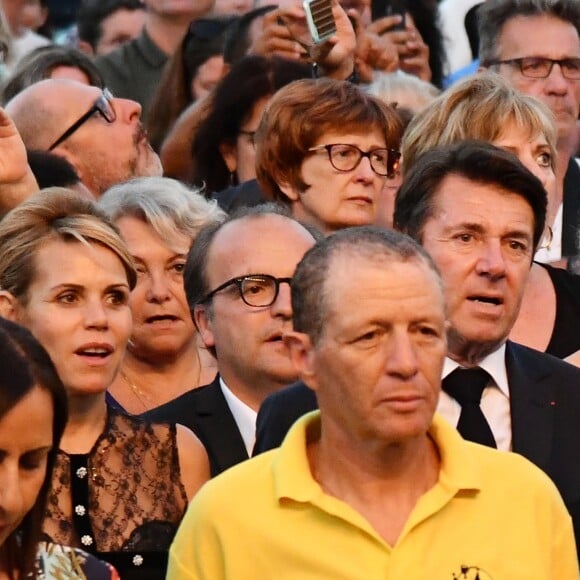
x: 151, y: 166
x: 472, y: 349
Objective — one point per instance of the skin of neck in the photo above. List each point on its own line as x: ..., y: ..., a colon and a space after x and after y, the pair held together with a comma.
x: 564, y: 150
x: 370, y: 469
x: 177, y: 372
x: 86, y: 420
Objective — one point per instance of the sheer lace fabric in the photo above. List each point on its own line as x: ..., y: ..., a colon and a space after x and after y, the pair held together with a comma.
x: 125, y: 495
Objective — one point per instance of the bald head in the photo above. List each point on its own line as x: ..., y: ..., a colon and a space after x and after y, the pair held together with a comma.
x: 38, y: 111
x: 107, y: 147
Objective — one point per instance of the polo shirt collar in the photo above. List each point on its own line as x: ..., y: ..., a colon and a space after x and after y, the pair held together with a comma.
x: 459, y: 470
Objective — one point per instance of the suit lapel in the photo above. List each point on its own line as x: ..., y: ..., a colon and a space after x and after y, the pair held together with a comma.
x: 218, y: 430
x: 532, y: 402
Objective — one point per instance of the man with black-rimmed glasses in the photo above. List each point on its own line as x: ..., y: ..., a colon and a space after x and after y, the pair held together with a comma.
x: 237, y: 281
x: 535, y: 44
x: 100, y: 135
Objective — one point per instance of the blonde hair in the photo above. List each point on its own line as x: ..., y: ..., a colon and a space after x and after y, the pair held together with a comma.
x: 53, y: 213
x: 480, y: 108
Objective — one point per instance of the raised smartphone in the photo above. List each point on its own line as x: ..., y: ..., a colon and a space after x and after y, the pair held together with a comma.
x: 382, y: 8
x: 320, y: 19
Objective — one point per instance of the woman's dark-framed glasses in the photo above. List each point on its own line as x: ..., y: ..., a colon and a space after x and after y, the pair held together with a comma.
x: 103, y: 105
x: 258, y: 290
x: 343, y: 157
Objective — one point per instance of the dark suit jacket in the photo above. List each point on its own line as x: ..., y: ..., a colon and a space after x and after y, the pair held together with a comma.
x: 545, y: 413
x: 206, y: 412
x: 571, y: 210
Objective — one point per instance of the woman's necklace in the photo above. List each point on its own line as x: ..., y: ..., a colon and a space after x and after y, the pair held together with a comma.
x: 148, y: 402
x: 145, y: 400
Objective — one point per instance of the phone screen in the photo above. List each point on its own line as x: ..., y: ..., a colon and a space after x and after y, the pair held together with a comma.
x: 320, y: 19
x: 382, y: 8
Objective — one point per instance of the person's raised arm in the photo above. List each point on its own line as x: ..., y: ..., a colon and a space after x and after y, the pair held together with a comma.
x: 17, y: 181
x: 413, y: 52
x: 283, y: 34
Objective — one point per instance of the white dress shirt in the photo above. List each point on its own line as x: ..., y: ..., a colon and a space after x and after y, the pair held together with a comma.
x: 244, y: 416
x: 495, y: 400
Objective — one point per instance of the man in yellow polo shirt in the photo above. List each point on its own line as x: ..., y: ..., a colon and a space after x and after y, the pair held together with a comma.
x: 372, y: 485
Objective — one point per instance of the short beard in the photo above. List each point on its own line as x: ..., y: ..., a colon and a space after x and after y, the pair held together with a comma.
x: 469, y: 353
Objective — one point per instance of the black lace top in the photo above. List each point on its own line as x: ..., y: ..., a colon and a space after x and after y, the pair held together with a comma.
x: 124, y: 500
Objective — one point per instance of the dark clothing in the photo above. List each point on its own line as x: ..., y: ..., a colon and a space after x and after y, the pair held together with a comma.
x: 571, y: 210
x: 133, y: 70
x: 278, y: 413
x: 124, y: 500
x: 565, y: 338
x: 545, y: 407
x: 247, y: 194
x: 206, y: 412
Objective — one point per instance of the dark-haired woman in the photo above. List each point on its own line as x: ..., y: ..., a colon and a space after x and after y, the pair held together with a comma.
x: 31, y: 393
x: 120, y: 485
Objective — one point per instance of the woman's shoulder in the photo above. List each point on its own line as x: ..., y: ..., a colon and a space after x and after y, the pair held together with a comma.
x: 56, y: 561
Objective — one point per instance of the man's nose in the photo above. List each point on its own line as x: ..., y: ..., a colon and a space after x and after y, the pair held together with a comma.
x: 282, y: 306
x: 491, y: 259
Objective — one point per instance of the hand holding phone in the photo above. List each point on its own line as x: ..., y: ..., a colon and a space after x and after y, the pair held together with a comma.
x: 382, y: 8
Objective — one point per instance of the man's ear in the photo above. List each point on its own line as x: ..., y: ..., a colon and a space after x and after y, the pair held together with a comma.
x: 8, y: 306
x: 204, y: 324
x: 303, y: 357
x: 229, y: 153
x: 85, y: 48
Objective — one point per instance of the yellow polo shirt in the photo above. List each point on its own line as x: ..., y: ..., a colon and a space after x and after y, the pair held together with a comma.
x: 267, y: 518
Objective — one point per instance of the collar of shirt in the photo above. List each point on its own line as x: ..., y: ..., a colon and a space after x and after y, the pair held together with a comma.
x: 493, y: 363
x: 495, y: 401
x: 244, y: 416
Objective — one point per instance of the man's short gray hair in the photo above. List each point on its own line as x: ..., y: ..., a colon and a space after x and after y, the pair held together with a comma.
x: 310, y: 287
x: 493, y: 14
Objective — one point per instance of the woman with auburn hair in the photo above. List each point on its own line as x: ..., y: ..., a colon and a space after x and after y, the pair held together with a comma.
x: 32, y: 393
x: 120, y: 485
x: 485, y: 107
x: 326, y: 149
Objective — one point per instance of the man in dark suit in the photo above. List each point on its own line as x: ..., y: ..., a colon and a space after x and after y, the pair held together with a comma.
x: 481, y: 214
x: 237, y: 285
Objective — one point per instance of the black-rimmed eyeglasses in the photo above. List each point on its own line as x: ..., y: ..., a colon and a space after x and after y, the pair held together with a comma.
x: 536, y: 67
x: 258, y: 290
x: 103, y: 105
x: 343, y: 157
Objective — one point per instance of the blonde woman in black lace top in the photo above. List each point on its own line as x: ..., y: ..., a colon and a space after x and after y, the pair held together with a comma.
x: 121, y: 485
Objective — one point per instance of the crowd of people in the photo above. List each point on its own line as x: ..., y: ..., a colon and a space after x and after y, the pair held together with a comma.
x: 272, y: 307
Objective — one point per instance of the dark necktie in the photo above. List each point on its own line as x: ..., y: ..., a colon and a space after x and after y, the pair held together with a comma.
x: 466, y: 387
